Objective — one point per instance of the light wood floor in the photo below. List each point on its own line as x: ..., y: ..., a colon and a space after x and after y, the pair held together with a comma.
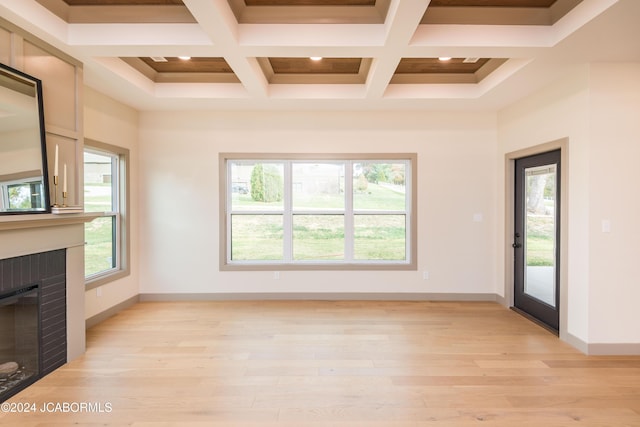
x: 369, y: 364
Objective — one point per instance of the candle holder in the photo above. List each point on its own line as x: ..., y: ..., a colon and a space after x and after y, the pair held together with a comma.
x: 64, y: 199
x: 55, y: 190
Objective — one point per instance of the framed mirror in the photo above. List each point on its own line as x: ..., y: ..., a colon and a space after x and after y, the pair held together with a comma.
x: 24, y: 184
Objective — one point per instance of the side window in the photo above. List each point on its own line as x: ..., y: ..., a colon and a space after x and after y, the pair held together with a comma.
x: 104, y: 192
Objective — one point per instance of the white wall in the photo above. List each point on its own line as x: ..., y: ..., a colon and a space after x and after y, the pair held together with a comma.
x: 596, y: 107
x: 614, y: 180
x: 559, y: 111
x: 179, y: 204
x: 108, y: 121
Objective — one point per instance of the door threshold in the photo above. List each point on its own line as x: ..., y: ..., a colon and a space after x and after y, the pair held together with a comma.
x: 536, y: 321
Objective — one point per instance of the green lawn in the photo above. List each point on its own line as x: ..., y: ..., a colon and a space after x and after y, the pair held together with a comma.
x: 540, y: 241
x: 379, y: 197
x: 380, y: 237
x: 321, y: 237
x: 256, y: 237
x: 318, y: 237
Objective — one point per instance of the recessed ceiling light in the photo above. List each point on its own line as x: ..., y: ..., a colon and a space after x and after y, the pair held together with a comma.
x: 184, y: 58
x: 315, y: 58
x: 444, y: 58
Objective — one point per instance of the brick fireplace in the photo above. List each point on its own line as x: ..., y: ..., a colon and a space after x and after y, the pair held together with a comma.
x: 33, y: 324
x: 42, y: 296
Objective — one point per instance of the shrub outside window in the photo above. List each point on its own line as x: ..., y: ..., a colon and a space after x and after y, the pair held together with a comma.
x: 294, y: 211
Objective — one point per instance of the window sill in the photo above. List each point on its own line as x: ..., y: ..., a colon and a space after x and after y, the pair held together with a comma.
x: 96, y: 282
x: 320, y: 267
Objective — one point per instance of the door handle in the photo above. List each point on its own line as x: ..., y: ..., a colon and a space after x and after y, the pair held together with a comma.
x: 516, y: 244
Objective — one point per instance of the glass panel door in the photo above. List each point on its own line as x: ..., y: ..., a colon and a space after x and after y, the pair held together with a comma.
x: 536, y: 237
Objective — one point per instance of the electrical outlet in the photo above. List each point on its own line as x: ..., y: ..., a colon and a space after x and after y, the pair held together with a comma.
x: 276, y: 275
x: 425, y: 275
x: 99, y: 292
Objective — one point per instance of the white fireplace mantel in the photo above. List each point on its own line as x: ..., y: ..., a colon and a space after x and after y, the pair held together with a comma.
x: 13, y: 222
x: 28, y: 234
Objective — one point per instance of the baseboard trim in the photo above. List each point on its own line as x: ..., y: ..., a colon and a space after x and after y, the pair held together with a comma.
x: 614, y: 349
x: 382, y: 296
x: 502, y: 300
x: 101, y: 317
x: 576, y: 342
x: 603, y: 349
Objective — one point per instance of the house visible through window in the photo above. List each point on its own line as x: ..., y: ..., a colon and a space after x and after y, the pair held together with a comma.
x: 323, y: 212
x: 104, y: 174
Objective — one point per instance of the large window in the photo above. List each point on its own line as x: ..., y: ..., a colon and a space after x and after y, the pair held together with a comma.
x: 104, y: 192
x: 311, y: 211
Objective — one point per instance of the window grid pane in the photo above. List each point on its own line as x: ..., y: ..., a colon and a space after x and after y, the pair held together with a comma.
x: 317, y: 186
x: 100, y: 245
x: 99, y: 179
x: 380, y: 237
x: 257, y: 186
x: 318, y: 237
x: 379, y: 186
x: 256, y: 237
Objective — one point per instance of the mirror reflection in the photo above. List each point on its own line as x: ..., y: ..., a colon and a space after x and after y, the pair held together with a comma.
x: 23, y: 188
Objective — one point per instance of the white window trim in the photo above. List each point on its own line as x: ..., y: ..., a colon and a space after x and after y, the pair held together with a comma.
x: 120, y: 171
x: 348, y: 264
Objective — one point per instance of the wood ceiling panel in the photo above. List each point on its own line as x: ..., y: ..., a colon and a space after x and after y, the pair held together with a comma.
x: 310, y: 11
x: 308, y: 66
x: 194, y: 65
x: 454, y: 71
x: 497, y: 12
x: 119, y: 11
x: 434, y: 65
x: 122, y: 2
x: 492, y: 3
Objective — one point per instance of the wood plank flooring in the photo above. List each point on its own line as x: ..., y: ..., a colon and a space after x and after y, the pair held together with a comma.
x: 322, y: 363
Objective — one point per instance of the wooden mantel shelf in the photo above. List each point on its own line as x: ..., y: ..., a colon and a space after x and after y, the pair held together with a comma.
x: 16, y: 222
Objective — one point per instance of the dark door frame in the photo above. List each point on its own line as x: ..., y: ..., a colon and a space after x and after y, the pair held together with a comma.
x: 531, y: 306
x: 509, y: 215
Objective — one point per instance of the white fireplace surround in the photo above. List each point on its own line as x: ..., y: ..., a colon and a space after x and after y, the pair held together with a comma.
x: 29, y: 234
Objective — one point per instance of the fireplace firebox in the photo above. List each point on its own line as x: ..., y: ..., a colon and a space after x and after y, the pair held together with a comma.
x: 33, y: 338
x: 19, y: 340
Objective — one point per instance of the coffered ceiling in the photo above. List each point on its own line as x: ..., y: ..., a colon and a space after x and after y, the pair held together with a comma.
x: 372, y: 54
